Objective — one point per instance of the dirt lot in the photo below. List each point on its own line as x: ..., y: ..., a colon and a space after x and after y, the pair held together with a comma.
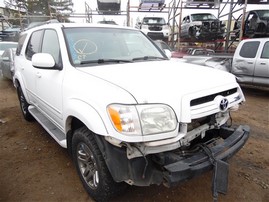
x: 34, y: 168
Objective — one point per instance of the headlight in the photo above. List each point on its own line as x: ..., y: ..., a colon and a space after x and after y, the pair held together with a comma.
x: 142, y: 119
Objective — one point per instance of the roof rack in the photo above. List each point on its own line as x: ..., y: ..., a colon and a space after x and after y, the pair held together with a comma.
x: 36, y: 24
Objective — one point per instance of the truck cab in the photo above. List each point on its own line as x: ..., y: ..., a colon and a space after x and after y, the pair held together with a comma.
x: 251, y: 62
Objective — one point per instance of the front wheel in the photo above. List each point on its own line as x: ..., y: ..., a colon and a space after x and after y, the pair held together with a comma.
x: 24, y: 105
x: 91, y: 167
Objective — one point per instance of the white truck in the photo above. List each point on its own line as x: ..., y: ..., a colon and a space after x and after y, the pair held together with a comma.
x: 127, y: 114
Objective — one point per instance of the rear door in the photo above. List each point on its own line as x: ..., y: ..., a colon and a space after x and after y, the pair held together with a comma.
x: 244, y: 61
x: 261, y: 72
x: 23, y: 63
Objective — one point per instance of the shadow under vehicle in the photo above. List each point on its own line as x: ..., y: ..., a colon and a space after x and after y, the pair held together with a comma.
x: 202, y: 26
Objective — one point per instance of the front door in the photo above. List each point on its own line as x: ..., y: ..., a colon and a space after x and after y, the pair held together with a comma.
x: 49, y: 81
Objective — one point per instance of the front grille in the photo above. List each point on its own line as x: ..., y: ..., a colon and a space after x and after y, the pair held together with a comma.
x: 210, y: 98
x: 155, y: 28
x: 195, y: 123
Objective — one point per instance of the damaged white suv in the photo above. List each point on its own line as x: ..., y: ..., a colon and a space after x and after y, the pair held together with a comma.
x: 125, y: 112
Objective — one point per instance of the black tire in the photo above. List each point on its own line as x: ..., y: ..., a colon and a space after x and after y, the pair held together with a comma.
x: 24, y: 105
x: 91, y: 167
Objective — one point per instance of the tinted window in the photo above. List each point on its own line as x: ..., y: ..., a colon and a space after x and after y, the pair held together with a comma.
x: 34, y: 44
x: 249, y: 49
x: 20, y: 44
x: 50, y: 37
x: 265, y: 51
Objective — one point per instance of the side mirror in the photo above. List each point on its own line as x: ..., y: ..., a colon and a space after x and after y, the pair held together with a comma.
x: 43, y: 61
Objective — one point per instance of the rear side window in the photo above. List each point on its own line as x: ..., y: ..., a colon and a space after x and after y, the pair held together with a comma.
x: 33, y: 45
x: 20, y: 43
x: 249, y: 49
x: 265, y: 51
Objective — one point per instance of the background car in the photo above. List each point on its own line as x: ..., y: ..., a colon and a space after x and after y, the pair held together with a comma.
x: 7, y: 63
x: 110, y: 22
x: 200, y: 51
x: 203, y: 26
x: 155, y: 27
x: 7, y: 44
x: 10, y: 34
x: 256, y: 24
x: 108, y: 6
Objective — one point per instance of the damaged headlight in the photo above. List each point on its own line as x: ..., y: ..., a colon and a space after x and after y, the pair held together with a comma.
x: 142, y: 119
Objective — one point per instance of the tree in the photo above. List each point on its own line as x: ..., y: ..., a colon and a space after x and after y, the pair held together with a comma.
x: 42, y: 9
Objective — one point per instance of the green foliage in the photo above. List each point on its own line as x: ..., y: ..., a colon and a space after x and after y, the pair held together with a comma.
x: 60, y: 9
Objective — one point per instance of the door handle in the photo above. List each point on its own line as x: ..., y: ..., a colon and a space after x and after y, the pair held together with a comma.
x: 250, y: 63
x: 263, y: 63
x: 38, y: 74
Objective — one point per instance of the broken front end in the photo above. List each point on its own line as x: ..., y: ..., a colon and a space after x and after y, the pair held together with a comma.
x: 143, y: 164
x: 208, y: 30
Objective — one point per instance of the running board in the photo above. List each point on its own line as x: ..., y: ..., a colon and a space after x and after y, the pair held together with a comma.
x: 53, y: 130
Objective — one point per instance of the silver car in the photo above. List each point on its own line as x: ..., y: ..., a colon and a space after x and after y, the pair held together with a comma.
x: 202, y: 26
x: 7, y: 63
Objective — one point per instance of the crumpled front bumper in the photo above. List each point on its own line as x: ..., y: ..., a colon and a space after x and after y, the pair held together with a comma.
x: 199, y: 162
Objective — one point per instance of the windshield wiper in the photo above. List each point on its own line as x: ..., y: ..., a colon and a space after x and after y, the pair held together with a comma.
x: 101, y: 61
x: 149, y: 58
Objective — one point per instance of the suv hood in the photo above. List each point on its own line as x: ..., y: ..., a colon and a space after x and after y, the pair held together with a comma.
x: 161, y: 81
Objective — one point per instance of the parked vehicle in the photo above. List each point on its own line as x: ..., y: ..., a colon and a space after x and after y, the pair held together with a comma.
x: 204, y: 26
x: 125, y: 112
x: 200, y: 51
x: 10, y: 34
x: 7, y: 44
x: 155, y: 27
x: 256, y: 24
x: 159, y: 3
x: 251, y: 62
x: 109, y: 6
x: 7, y: 63
x: 110, y: 22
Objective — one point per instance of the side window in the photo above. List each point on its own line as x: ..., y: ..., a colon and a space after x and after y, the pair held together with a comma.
x: 33, y: 45
x: 249, y: 49
x: 20, y: 43
x: 50, y: 37
x: 265, y: 51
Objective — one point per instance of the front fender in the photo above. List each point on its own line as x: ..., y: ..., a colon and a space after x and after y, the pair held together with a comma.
x: 87, y: 114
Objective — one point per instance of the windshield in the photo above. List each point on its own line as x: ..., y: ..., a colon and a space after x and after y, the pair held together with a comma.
x: 263, y: 14
x: 92, y: 45
x: 159, y: 21
x: 203, y: 17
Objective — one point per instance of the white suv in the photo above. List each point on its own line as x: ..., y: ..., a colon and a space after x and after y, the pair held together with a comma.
x: 125, y: 112
x: 155, y: 28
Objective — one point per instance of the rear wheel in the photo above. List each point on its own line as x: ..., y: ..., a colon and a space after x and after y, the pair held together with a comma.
x: 24, y: 105
x: 92, y: 168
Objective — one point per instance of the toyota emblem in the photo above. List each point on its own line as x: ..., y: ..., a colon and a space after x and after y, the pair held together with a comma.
x: 223, y: 104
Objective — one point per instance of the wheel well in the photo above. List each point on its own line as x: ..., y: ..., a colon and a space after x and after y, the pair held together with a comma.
x: 16, y: 83
x: 74, y: 124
